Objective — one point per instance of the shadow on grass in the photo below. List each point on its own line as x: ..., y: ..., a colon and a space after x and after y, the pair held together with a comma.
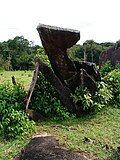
x: 115, y: 155
x: 83, y: 118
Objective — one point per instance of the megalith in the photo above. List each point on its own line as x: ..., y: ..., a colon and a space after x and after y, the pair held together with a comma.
x: 112, y: 54
x: 65, y: 74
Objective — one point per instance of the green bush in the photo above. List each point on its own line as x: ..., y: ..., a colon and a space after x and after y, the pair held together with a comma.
x: 13, y: 121
x: 42, y: 56
x: 106, y: 68
x: 45, y: 100
x: 88, y: 102
x: 117, y: 66
x: 113, y: 81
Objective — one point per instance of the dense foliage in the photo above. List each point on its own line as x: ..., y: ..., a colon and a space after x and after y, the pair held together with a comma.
x: 106, y: 68
x: 17, y: 54
x: 113, y: 80
x: 45, y: 100
x: 111, y: 76
x: 92, y: 103
x: 13, y: 121
x: 89, y: 51
x: 43, y: 57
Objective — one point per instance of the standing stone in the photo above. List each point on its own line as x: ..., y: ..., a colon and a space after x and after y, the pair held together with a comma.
x: 112, y: 54
x: 67, y: 74
x: 56, y: 41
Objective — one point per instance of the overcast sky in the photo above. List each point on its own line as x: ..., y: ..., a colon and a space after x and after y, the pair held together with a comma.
x: 95, y: 19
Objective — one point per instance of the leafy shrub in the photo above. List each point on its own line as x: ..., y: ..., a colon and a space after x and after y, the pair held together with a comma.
x: 117, y: 66
x: 43, y: 57
x: 88, y: 102
x: 45, y: 100
x: 82, y: 97
x: 106, y: 68
x: 103, y: 96
x: 13, y: 121
x: 113, y: 81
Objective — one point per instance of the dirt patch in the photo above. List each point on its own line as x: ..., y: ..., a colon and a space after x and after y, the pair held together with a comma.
x: 47, y: 148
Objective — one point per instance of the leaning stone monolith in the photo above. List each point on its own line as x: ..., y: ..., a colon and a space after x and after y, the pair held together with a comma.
x: 65, y: 74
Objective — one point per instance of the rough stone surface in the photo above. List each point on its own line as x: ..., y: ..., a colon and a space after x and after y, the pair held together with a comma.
x: 47, y: 148
x: 67, y: 74
x: 56, y: 41
x: 112, y: 54
x: 90, y: 69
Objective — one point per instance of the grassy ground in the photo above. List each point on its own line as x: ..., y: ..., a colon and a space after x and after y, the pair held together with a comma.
x: 20, y: 76
x: 103, y: 128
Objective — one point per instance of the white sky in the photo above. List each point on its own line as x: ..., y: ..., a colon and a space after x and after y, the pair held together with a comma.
x: 95, y: 19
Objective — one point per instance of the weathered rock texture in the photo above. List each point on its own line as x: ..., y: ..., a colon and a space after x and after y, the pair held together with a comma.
x: 47, y: 148
x: 112, y: 54
x: 56, y: 41
x: 66, y: 74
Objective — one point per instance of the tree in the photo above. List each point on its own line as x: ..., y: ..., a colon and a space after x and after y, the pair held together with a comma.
x: 1, y: 61
x: 18, y: 53
x: 76, y: 52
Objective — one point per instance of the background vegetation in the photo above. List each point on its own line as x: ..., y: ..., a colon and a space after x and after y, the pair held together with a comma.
x: 19, y: 53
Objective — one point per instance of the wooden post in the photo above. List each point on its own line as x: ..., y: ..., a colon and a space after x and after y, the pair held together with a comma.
x: 13, y: 80
x: 32, y: 86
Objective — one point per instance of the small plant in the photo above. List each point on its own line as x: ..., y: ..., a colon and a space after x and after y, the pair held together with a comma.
x: 102, y: 97
x: 13, y: 121
x: 41, y: 54
x: 88, y: 102
x: 83, y: 98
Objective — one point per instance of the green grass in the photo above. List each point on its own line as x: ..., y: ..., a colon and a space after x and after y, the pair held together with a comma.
x: 8, y: 149
x: 24, y: 77
x: 103, y: 128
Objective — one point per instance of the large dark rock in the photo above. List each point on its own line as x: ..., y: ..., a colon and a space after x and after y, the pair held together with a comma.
x: 112, y: 54
x: 47, y: 148
x: 67, y: 74
x: 82, y: 78
x: 56, y: 41
x: 89, y: 67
